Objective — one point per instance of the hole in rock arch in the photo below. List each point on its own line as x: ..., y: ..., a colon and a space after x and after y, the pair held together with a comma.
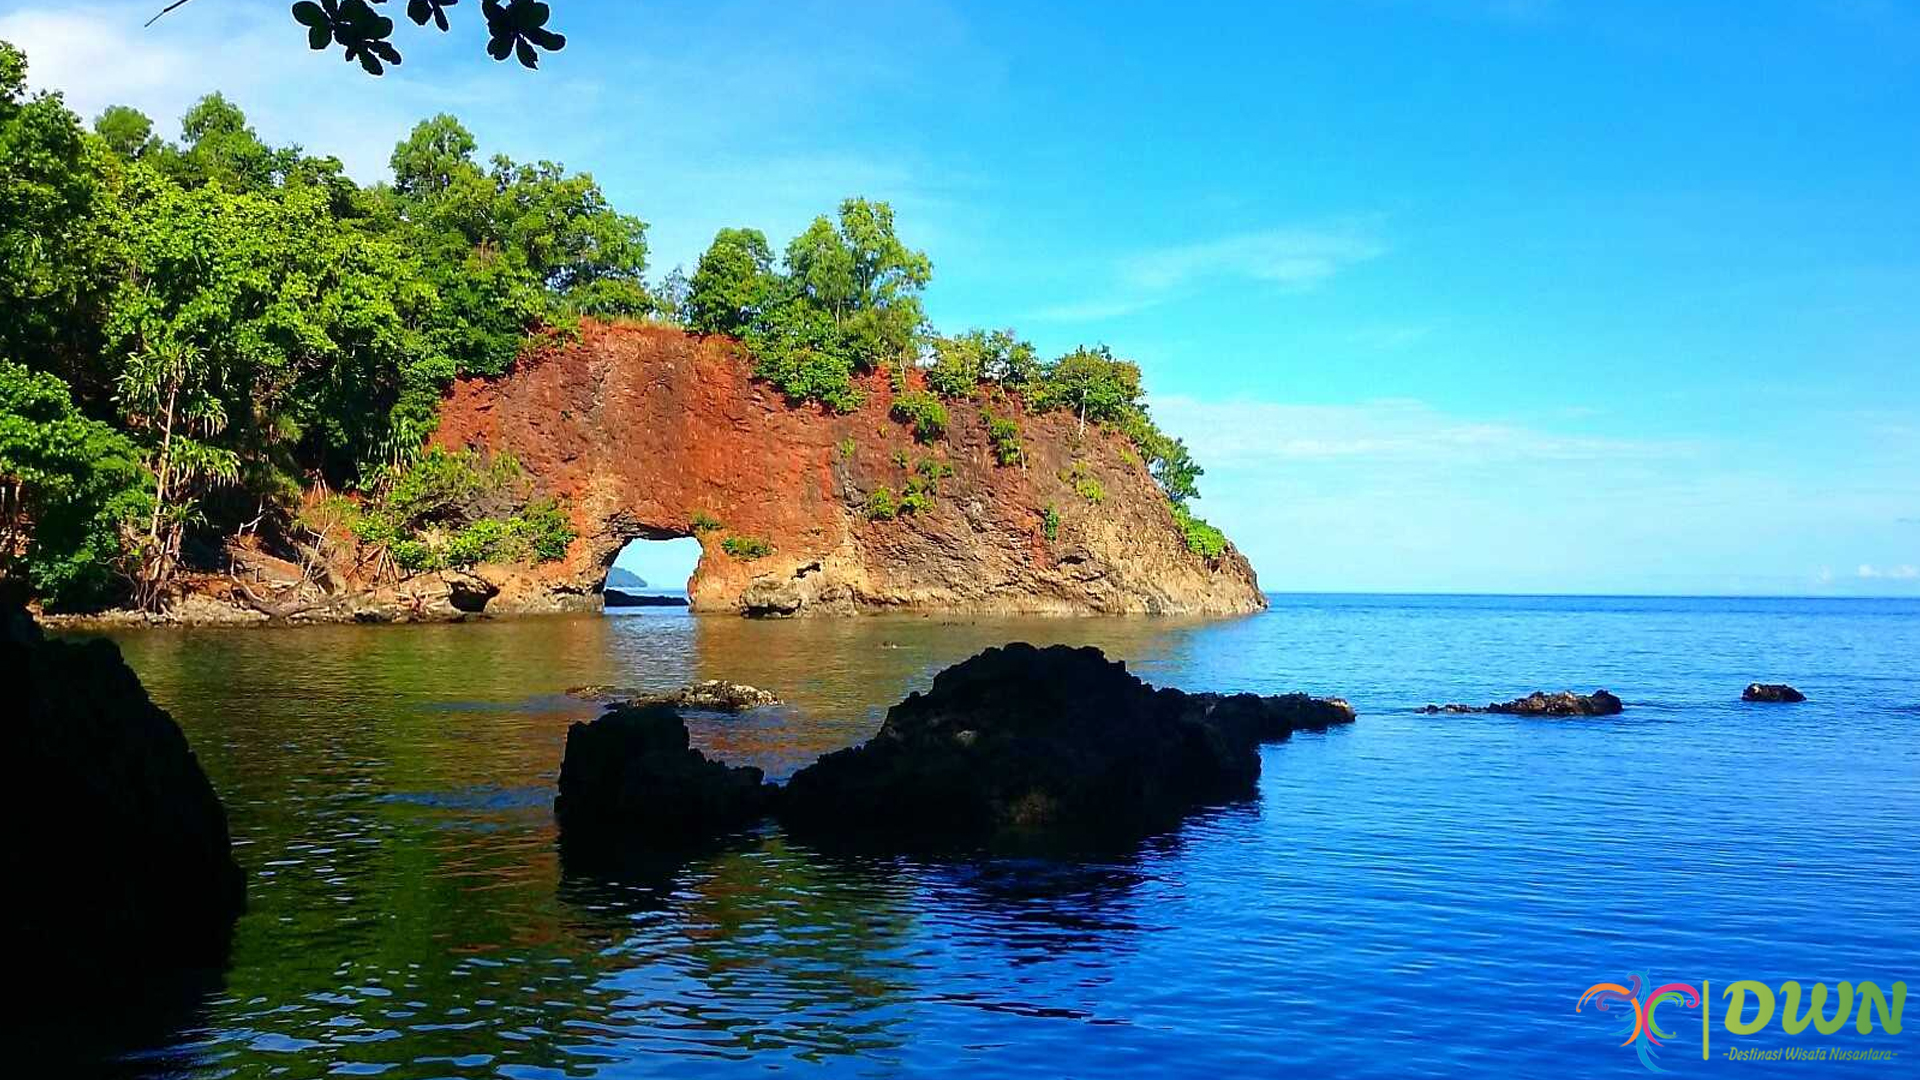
x: 651, y: 573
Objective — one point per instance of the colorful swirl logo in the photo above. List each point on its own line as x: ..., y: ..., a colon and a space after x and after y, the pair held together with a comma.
x: 1643, y: 1032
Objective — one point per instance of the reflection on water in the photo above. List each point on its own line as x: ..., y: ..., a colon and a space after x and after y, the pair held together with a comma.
x: 411, y: 914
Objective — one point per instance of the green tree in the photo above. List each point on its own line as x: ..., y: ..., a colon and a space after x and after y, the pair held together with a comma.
x: 218, y: 146
x: 167, y: 392
x: 1093, y: 384
x: 126, y: 131
x: 733, y: 284
x: 962, y: 362
x: 56, y: 257
x: 68, y: 485
x: 512, y: 247
x: 436, y: 153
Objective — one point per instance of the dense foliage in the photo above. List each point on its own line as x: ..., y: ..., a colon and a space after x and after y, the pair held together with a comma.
x: 195, y: 331
x: 229, y: 322
x: 447, y: 510
x: 845, y: 299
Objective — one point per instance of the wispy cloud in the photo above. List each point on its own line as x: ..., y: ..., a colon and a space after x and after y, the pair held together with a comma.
x: 1298, y: 258
x: 1387, y: 431
x: 1894, y: 573
x: 1390, y: 338
x: 1295, y: 257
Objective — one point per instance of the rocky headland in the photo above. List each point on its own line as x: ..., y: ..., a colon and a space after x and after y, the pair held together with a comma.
x: 644, y: 432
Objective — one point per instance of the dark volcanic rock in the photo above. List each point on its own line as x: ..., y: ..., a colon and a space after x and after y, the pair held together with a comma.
x: 712, y: 695
x: 631, y: 776
x: 1269, y: 719
x: 119, y: 852
x: 1772, y: 693
x: 1564, y: 703
x: 1020, y: 739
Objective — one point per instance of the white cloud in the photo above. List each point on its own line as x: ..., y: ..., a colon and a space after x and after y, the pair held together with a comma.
x: 1896, y: 573
x: 1386, y: 431
x: 1298, y: 258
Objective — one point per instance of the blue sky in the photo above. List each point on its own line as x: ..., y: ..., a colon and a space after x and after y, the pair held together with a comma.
x: 1447, y: 295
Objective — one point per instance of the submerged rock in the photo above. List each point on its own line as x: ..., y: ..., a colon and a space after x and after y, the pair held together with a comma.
x: 711, y: 695
x: 1021, y: 738
x: 1772, y: 693
x: 1564, y: 703
x: 632, y: 775
x: 120, y: 852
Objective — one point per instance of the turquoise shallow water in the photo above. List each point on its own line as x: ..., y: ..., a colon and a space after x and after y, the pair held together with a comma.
x: 1410, y: 896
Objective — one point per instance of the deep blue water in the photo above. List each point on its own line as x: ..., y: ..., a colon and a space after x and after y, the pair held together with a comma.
x: 1410, y: 896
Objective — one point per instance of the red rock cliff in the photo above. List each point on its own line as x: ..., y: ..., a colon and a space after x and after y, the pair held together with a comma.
x: 647, y: 430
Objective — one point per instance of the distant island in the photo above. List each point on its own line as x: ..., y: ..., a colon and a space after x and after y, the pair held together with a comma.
x: 618, y: 578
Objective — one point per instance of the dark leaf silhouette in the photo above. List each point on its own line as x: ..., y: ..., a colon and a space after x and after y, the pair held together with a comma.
x: 516, y: 28
x: 353, y: 25
x: 422, y: 10
x: 519, y: 28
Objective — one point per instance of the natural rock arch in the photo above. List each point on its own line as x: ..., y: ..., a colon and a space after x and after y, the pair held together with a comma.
x: 651, y: 433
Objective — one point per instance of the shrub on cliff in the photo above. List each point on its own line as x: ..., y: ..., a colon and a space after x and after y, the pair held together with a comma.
x: 450, y: 510
x: 922, y: 412
x: 747, y: 548
x: 960, y: 364
x: 1202, y: 539
x: 1003, y: 434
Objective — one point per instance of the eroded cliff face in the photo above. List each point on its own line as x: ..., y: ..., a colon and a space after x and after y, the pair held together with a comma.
x: 653, y: 433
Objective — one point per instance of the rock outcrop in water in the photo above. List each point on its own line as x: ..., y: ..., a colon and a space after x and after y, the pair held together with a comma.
x: 119, y: 851
x: 1017, y: 740
x: 1538, y: 703
x: 1020, y: 739
x: 709, y: 695
x: 631, y: 775
x: 1772, y: 693
x: 652, y: 433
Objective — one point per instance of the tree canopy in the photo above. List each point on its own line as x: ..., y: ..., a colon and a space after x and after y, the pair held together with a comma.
x: 195, y: 331
x: 245, y: 320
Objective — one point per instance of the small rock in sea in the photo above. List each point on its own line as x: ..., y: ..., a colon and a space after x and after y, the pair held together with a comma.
x: 1772, y: 693
x: 1020, y: 739
x: 122, y: 850
x: 632, y: 775
x: 712, y: 695
x: 1271, y: 719
x: 1564, y: 703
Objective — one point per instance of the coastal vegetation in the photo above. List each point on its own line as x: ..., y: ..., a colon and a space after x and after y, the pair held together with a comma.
x: 211, y: 336
x: 746, y: 548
